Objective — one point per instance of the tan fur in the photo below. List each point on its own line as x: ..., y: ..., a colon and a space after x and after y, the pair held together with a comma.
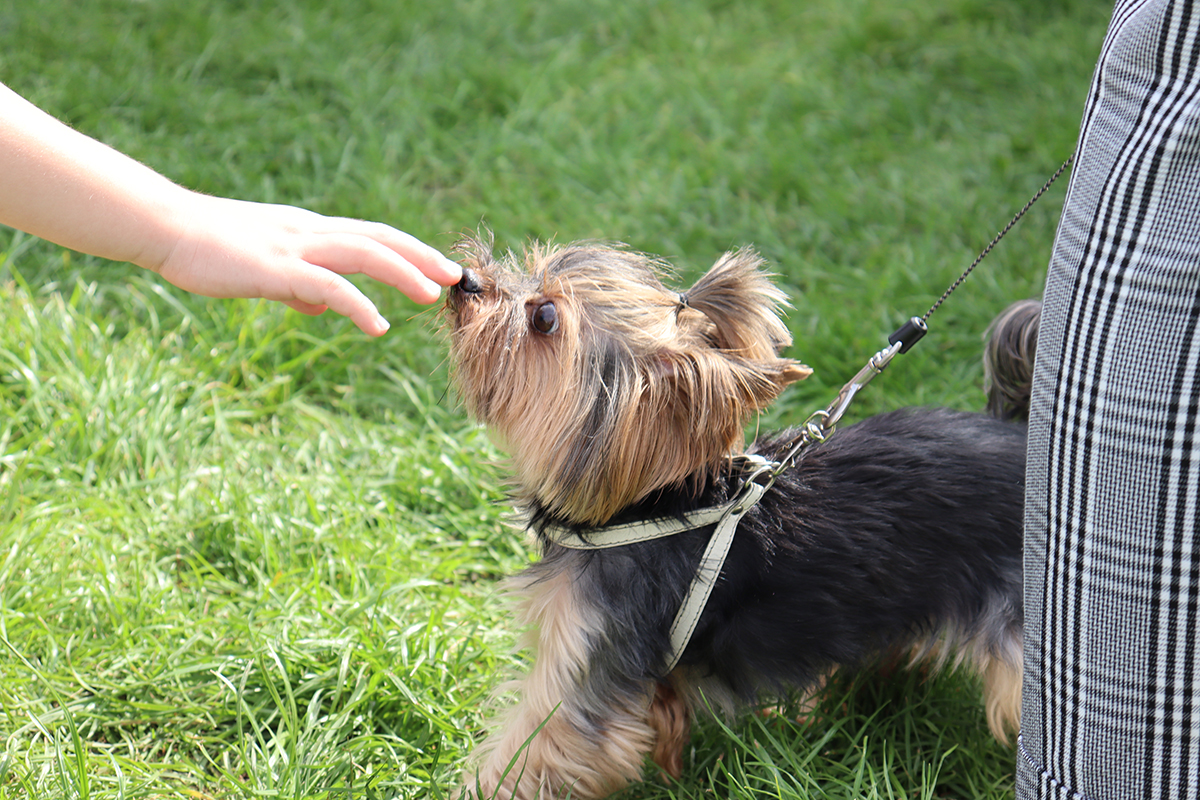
x: 677, y: 412
x: 1002, y: 696
x: 672, y: 722
x: 558, y: 761
x: 997, y: 666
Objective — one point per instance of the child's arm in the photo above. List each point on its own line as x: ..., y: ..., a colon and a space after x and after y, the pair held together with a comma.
x: 60, y: 185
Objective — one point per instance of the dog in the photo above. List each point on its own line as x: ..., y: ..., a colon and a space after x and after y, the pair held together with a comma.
x: 619, y: 400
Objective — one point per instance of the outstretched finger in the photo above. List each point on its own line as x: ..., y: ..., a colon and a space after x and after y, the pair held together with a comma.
x: 348, y: 254
x: 312, y: 289
x: 427, y: 260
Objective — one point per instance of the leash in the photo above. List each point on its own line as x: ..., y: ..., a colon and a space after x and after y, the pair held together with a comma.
x: 819, y: 426
x: 761, y: 473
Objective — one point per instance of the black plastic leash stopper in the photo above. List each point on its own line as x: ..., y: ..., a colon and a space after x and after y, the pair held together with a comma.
x: 909, y: 334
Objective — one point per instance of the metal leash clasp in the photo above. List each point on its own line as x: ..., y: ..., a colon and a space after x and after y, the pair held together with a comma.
x: 819, y: 426
x: 875, y: 365
x: 821, y: 423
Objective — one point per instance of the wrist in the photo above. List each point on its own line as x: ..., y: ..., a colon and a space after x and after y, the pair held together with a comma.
x: 169, y: 212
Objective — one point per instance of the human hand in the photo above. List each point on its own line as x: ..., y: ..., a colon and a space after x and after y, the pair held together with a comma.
x: 234, y: 248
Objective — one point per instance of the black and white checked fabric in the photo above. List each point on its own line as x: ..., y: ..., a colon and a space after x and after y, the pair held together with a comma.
x: 1111, y: 703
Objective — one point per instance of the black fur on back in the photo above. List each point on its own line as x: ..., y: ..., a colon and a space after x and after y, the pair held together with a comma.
x: 900, y: 528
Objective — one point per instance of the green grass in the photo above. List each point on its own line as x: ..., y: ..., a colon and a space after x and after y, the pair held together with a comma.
x: 250, y: 554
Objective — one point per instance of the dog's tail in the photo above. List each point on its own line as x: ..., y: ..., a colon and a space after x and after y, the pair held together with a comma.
x: 1011, y: 341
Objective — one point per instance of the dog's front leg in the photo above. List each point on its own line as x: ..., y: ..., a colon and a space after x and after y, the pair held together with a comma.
x: 571, y: 732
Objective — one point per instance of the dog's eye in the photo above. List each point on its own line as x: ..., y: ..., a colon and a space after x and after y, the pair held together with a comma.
x: 545, y: 318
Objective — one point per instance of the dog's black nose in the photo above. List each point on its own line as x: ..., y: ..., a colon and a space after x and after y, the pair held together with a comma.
x: 469, y: 283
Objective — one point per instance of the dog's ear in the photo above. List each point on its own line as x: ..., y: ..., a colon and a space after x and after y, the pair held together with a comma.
x: 744, y: 332
x: 742, y: 305
x: 693, y: 408
x: 735, y: 387
x: 758, y: 383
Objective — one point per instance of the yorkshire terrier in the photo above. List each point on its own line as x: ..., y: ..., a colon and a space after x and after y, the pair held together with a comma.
x: 620, y: 401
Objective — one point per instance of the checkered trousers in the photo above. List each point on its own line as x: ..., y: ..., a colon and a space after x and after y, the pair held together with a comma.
x: 1111, y: 703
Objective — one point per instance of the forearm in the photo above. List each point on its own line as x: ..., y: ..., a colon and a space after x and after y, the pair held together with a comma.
x: 62, y: 186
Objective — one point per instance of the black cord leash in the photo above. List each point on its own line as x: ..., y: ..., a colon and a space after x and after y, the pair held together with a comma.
x: 910, y: 332
x: 999, y: 236
x: 822, y: 423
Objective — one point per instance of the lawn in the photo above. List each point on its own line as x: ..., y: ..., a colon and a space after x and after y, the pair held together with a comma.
x: 250, y: 554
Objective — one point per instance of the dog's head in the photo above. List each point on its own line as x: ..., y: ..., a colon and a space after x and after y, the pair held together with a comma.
x: 602, y: 384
